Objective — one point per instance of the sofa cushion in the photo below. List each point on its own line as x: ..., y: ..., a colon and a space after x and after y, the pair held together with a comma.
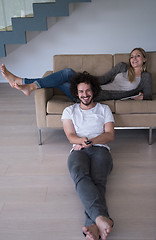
x: 135, y: 120
x: 110, y: 103
x: 133, y: 106
x: 58, y: 103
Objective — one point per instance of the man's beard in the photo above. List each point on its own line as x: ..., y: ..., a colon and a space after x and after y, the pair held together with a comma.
x: 86, y: 103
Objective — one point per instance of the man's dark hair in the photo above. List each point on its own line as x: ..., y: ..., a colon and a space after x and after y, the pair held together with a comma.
x: 87, y: 78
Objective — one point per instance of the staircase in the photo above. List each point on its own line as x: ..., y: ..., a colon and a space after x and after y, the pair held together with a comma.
x: 20, y: 25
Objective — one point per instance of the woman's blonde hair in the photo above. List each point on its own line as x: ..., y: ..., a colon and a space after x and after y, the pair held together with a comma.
x: 131, y: 73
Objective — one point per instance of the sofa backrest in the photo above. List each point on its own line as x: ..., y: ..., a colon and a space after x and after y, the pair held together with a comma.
x: 99, y: 64
x: 151, y: 65
x: 95, y: 64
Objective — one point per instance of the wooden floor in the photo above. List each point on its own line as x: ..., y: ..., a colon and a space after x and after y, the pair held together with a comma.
x: 37, y: 196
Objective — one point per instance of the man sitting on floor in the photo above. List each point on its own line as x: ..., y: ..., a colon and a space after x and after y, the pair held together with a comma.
x: 89, y: 126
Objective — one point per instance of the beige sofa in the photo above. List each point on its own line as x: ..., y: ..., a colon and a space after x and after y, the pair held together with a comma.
x: 128, y: 113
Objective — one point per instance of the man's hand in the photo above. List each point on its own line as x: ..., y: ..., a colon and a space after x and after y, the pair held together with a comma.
x: 77, y: 147
x: 85, y: 144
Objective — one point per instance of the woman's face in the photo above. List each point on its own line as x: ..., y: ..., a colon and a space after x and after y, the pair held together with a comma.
x: 137, y: 59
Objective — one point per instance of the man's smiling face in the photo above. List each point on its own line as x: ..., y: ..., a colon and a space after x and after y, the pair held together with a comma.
x: 85, y: 93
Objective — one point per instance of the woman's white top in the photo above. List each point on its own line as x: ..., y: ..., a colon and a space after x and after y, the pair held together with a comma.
x: 121, y: 83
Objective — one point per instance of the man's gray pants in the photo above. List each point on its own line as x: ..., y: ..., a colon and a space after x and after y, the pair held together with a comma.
x: 89, y: 169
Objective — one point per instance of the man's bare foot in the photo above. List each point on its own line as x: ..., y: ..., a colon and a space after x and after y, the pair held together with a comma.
x: 11, y: 78
x: 92, y: 232
x: 104, y: 225
x: 27, y: 89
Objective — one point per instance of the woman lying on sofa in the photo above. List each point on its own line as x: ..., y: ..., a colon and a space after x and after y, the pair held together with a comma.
x: 120, y: 82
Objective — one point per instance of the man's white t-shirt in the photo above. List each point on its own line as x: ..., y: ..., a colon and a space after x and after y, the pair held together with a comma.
x: 89, y: 123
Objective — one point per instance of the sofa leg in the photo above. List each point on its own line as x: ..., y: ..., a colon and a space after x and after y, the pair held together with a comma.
x: 39, y: 137
x: 150, y: 136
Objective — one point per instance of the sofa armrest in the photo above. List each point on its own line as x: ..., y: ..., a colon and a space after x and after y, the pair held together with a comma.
x: 41, y: 98
x: 47, y: 73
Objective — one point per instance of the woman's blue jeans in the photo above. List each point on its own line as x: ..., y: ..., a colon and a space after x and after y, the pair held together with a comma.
x: 60, y: 80
x: 89, y: 169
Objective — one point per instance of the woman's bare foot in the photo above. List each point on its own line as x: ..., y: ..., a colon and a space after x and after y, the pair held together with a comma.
x: 11, y: 78
x: 104, y: 225
x: 27, y: 89
x: 92, y: 232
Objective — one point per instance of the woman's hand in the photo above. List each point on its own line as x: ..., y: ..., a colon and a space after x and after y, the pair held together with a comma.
x: 140, y: 97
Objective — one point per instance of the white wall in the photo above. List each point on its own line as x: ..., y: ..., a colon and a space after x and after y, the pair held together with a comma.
x: 102, y: 26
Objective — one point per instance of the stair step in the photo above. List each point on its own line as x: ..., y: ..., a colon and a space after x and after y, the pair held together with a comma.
x: 16, y: 34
